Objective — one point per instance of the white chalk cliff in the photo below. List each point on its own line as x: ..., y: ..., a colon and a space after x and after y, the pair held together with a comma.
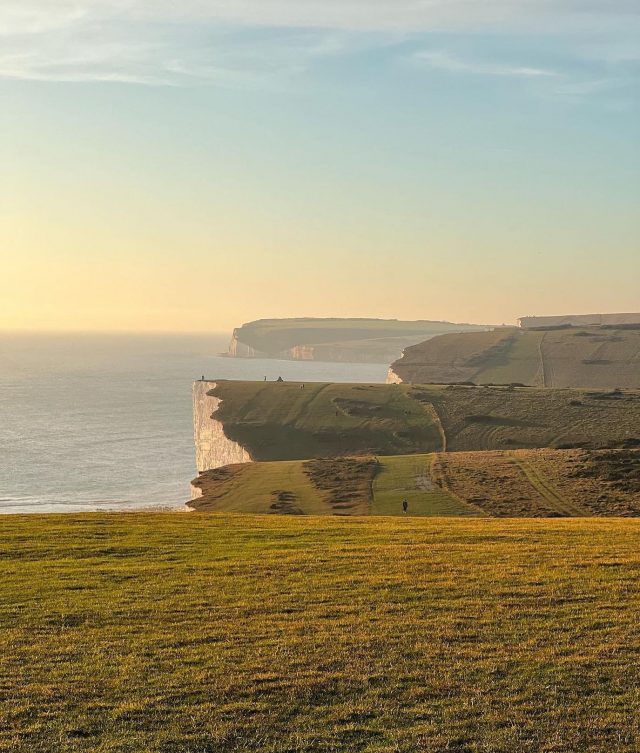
x: 392, y: 377
x: 213, y: 448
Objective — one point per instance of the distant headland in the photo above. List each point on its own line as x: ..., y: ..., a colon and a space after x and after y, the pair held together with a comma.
x: 335, y: 339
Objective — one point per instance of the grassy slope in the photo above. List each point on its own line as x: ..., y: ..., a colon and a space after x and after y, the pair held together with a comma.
x: 520, y: 364
x: 257, y: 488
x: 494, y: 418
x: 191, y: 634
x: 283, y: 422
x: 545, y: 483
x: 578, y: 357
x: 340, y: 486
x: 522, y: 483
x: 410, y: 477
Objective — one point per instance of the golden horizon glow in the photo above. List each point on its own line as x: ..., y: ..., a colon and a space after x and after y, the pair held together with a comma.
x: 316, y: 165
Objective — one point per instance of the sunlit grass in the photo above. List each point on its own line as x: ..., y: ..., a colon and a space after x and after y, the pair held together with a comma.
x: 194, y: 633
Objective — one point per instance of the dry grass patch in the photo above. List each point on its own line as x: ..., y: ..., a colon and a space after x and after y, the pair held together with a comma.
x: 346, y: 483
x: 544, y: 483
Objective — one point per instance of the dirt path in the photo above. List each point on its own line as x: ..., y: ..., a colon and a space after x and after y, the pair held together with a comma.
x: 433, y: 412
x: 546, y: 490
x: 322, y: 388
x: 439, y: 477
x: 543, y: 366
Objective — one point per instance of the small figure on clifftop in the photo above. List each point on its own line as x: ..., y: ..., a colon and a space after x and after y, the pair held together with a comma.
x: 279, y: 379
x: 405, y: 506
x: 202, y: 378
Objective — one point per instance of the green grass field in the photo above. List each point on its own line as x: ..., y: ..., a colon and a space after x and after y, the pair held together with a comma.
x: 518, y: 483
x: 254, y: 488
x: 284, y: 422
x: 174, y: 633
x: 410, y: 477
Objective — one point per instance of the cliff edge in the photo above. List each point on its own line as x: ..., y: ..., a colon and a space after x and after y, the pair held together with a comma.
x: 213, y: 449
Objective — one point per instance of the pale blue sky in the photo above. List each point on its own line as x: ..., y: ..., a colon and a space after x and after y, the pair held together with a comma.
x: 195, y: 168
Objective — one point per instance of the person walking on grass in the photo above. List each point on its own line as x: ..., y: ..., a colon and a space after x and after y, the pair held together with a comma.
x: 405, y: 506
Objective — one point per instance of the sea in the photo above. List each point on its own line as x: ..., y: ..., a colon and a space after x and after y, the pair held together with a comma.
x: 104, y: 422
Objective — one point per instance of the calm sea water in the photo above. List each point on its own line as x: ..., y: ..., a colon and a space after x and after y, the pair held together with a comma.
x: 104, y: 422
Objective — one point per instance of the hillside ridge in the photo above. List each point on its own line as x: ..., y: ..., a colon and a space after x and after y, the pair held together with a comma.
x: 566, y: 357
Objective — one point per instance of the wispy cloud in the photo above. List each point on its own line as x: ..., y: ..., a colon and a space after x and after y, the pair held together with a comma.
x: 219, y: 41
x: 164, y: 54
x: 446, y: 62
x: 408, y: 15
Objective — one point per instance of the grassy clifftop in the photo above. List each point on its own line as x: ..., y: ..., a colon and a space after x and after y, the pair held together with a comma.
x: 521, y: 483
x: 282, y: 421
x: 595, y: 357
x: 192, y: 634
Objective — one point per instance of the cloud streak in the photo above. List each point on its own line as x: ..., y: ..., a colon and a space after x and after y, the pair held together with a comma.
x: 446, y: 62
x: 355, y: 15
x: 163, y: 54
x: 161, y: 42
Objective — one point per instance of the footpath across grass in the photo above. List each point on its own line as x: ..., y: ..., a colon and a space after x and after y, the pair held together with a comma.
x: 175, y: 633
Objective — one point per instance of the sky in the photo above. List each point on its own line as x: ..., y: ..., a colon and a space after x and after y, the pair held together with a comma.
x: 192, y: 166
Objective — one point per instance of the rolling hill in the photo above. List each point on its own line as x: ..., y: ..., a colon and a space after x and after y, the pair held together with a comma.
x: 589, y: 357
x: 520, y: 483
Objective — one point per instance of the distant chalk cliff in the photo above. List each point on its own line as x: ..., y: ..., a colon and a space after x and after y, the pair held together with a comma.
x: 343, y: 340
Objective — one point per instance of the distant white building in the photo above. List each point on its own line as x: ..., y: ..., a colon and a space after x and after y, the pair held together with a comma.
x: 577, y: 320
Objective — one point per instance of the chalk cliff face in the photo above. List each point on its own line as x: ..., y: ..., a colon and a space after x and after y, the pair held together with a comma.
x: 213, y: 449
x: 300, y: 353
x: 392, y: 377
x: 239, y: 349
